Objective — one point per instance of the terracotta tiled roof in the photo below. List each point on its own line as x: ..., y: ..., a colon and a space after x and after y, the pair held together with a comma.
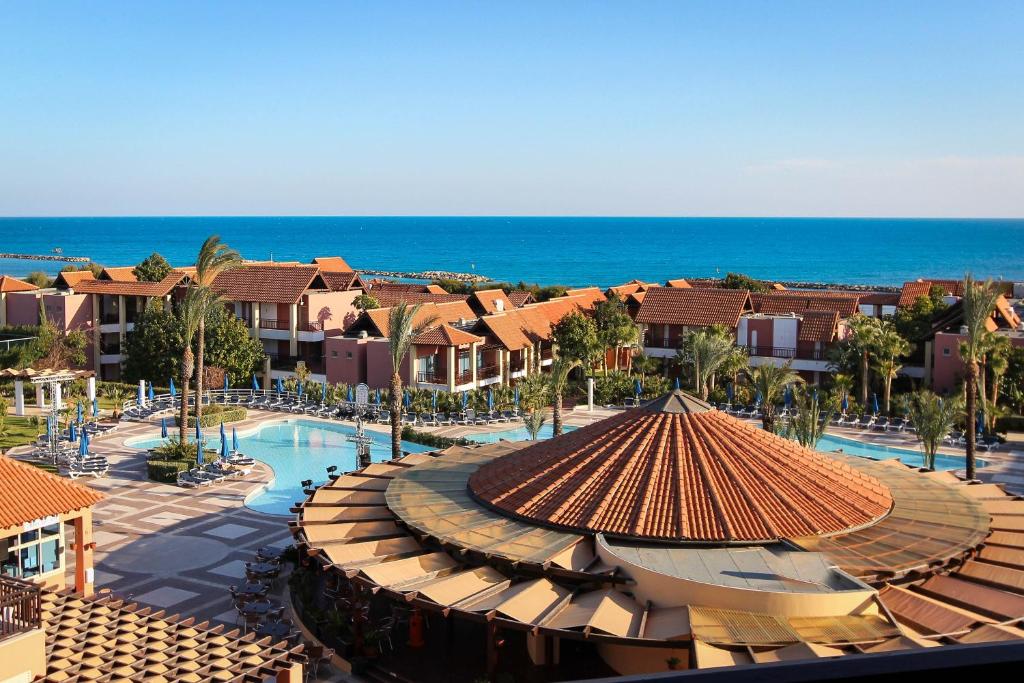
x: 675, y: 469
x: 265, y: 283
x: 339, y: 281
x: 696, y: 307
x: 332, y: 264
x: 69, y: 278
x: 1006, y: 312
x: 28, y: 493
x: 520, y: 297
x: 679, y: 283
x: 446, y: 335
x: 10, y: 284
x: 628, y: 288
x: 487, y: 300
x: 880, y: 298
x: 586, y: 297
x: 436, y: 289
x: 518, y: 328
x: 818, y: 326
x: 442, y: 313
x: 384, y: 285
x: 912, y: 291
x: 119, y: 287
x: 120, y: 273
x: 779, y: 303
x: 387, y: 298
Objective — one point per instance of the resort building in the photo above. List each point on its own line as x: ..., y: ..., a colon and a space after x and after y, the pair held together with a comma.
x: 667, y: 314
x: 8, y: 285
x: 667, y: 536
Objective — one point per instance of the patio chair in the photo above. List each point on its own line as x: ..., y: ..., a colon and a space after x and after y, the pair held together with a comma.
x: 881, y: 425
x: 427, y: 420
x: 185, y: 480
x: 988, y: 443
x: 865, y: 421
x: 408, y: 420
x: 463, y: 418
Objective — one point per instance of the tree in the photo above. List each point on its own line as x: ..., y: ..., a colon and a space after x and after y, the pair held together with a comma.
x: 534, y: 421
x: 741, y: 281
x: 645, y: 365
x: 153, y: 269
x: 915, y: 321
x: 365, y: 302
x: 812, y: 414
x: 190, y: 311
x: 863, y: 332
x: 999, y: 353
x: 117, y: 395
x: 771, y: 380
x: 154, y: 349
x: 705, y: 351
x: 933, y: 419
x: 889, y: 348
x: 39, y: 279
x: 533, y: 392
x: 560, y: 370
x: 214, y: 258
x: 403, y: 327
x: 229, y: 345
x: 978, y: 301
x: 575, y: 335
x: 615, y: 328
x: 91, y: 266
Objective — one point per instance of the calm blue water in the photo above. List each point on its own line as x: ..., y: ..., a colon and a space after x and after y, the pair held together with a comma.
x: 831, y: 443
x: 601, y: 251
x: 517, y: 434
x: 298, y: 450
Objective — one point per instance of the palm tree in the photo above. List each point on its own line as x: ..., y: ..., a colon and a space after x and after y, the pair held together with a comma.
x: 889, y: 347
x: 214, y: 258
x: 933, y: 419
x: 771, y: 380
x: 534, y: 421
x: 812, y: 415
x: 863, y: 331
x: 978, y: 302
x: 706, y: 351
x: 190, y: 312
x: 403, y: 327
x: 998, y: 364
x: 560, y: 370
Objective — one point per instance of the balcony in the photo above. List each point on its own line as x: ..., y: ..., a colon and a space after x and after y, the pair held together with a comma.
x: 787, y: 353
x: 19, y: 607
x: 487, y: 371
x: 432, y: 377
x: 654, y: 341
x: 110, y: 319
x: 464, y: 377
x: 312, y: 326
x: 271, y: 324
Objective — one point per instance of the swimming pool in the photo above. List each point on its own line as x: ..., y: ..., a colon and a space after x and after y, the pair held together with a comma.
x: 830, y: 443
x: 297, y: 450
x: 515, y: 434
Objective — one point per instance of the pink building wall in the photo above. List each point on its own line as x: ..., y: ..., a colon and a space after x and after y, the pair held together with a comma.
x: 947, y: 366
x: 370, y: 362
x: 765, y: 328
x: 333, y: 309
x: 23, y: 308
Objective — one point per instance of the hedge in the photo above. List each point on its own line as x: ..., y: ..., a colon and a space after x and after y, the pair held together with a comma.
x: 1010, y: 423
x: 212, y: 419
x: 166, y: 471
x: 432, y: 440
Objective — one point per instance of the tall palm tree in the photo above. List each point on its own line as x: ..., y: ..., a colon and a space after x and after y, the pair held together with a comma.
x: 978, y: 302
x: 190, y: 312
x: 889, y: 347
x: 933, y: 419
x: 811, y: 417
x: 214, y: 258
x: 534, y: 421
x: 771, y: 381
x: 707, y: 352
x: 560, y: 370
x: 404, y: 325
x: 863, y: 332
x: 998, y: 364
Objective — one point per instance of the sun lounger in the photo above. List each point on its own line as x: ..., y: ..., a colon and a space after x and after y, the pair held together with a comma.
x: 427, y: 419
x: 408, y: 419
x: 384, y: 417
x: 185, y: 480
x: 865, y: 421
x: 881, y: 425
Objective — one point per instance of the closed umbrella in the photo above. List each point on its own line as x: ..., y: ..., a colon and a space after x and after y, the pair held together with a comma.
x: 490, y: 400
x: 199, y: 432
x: 433, y: 400
x: 874, y: 401
x: 49, y: 427
x: 222, y: 436
x: 199, y: 444
x: 757, y: 398
x: 174, y: 392
x: 407, y: 400
x: 152, y: 394
x: 298, y: 388
x: 814, y: 395
x: 141, y: 397
x: 729, y: 392
x: 255, y: 383
x: 224, y: 449
x: 280, y: 386
x: 79, y: 411
x: 637, y: 388
x: 72, y: 432
x: 95, y: 407
x: 83, y: 447
x: 163, y: 428
x: 677, y: 384
x: 234, y: 439
x: 788, y: 396
x: 465, y: 399
x: 378, y: 396
x: 846, y: 404
x: 226, y: 382
x: 348, y: 395
x: 323, y: 392
x: 515, y: 398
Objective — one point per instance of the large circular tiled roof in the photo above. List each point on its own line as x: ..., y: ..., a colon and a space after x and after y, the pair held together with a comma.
x: 676, y: 469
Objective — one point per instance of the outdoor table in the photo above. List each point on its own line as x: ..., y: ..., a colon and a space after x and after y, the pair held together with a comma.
x: 276, y: 630
x: 270, y: 552
x: 264, y: 567
x: 250, y: 590
x: 257, y: 608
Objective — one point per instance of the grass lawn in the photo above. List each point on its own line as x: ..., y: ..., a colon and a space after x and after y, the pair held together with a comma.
x: 20, y: 431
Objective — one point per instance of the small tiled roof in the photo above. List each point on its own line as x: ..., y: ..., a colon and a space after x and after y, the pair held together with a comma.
x: 912, y: 291
x: 780, y: 303
x: 265, y: 283
x: 340, y: 281
x: 66, y: 279
x: 520, y: 297
x: 880, y: 298
x: 446, y: 335
x: 332, y: 264
x: 586, y: 297
x: 678, y: 283
x: 677, y: 470
x: 818, y: 326
x: 120, y: 287
x: 697, y: 307
x: 120, y: 273
x: 441, y: 313
x: 28, y: 493
x: 631, y: 287
x: 387, y: 298
x: 487, y: 300
x: 10, y: 284
x: 518, y: 328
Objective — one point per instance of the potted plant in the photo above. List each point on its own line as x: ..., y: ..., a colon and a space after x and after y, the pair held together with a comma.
x: 673, y: 663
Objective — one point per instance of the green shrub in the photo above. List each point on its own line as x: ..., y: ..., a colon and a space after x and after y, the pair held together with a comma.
x: 432, y: 440
x: 166, y: 471
x: 214, y: 415
x: 618, y: 386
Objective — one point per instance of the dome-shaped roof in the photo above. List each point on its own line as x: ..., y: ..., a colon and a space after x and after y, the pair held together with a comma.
x: 676, y: 469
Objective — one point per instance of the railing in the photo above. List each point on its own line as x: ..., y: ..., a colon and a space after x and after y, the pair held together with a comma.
x: 516, y: 365
x: 465, y: 377
x: 657, y: 341
x: 312, y: 326
x: 432, y: 377
x: 110, y: 349
x: 787, y: 352
x: 546, y: 354
x: 272, y: 324
x: 487, y: 371
x: 19, y: 607
x: 110, y: 319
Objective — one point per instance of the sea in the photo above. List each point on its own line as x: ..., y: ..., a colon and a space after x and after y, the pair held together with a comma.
x: 555, y: 250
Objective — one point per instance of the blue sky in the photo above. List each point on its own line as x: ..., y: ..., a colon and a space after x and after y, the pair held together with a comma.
x: 588, y: 108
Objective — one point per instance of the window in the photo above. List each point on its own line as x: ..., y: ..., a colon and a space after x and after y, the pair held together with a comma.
x: 32, y: 553
x: 334, y: 354
x: 348, y: 354
x: 946, y: 351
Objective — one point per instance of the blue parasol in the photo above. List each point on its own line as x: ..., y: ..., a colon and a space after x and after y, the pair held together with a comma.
x: 226, y: 383
x: 95, y: 407
x: 637, y: 388
x: 141, y: 397
x: 406, y: 399
x: 163, y: 428
x: 515, y: 397
x: 787, y: 397
x: 49, y: 427
x: 433, y: 400
x: 348, y: 394
x: 280, y: 386
x: 199, y: 432
x: 152, y: 394
x: 979, y: 420
x: 224, y: 449
x: 677, y: 384
x: 757, y: 398
x: 174, y: 392
x: 729, y: 392
x: 874, y: 402
x: 255, y: 383
x: 465, y: 399
x: 846, y: 403
x: 72, y: 432
x: 323, y: 392
x: 222, y: 436
x: 79, y: 411
x: 83, y: 447
x: 490, y: 400
x: 234, y: 439
x: 298, y: 389
x: 814, y: 394
x: 378, y: 396
x: 200, y: 458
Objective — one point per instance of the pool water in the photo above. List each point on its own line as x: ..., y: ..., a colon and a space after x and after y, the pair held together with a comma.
x: 515, y: 434
x: 830, y: 443
x: 297, y: 450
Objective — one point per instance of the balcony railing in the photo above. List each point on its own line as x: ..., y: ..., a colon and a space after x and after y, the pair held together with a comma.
x: 19, y: 607
x: 487, y: 371
x: 312, y: 326
x: 657, y: 341
x: 464, y: 377
x: 432, y: 377
x: 516, y: 365
x: 546, y: 354
x: 271, y: 324
x: 110, y: 319
x: 787, y: 353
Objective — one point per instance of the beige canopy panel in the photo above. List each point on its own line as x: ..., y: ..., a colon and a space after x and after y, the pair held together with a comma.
x: 433, y: 499
x: 732, y: 627
x: 931, y: 524
x: 31, y: 373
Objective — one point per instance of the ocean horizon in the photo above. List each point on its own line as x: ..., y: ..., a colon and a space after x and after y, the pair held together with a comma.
x: 553, y: 250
